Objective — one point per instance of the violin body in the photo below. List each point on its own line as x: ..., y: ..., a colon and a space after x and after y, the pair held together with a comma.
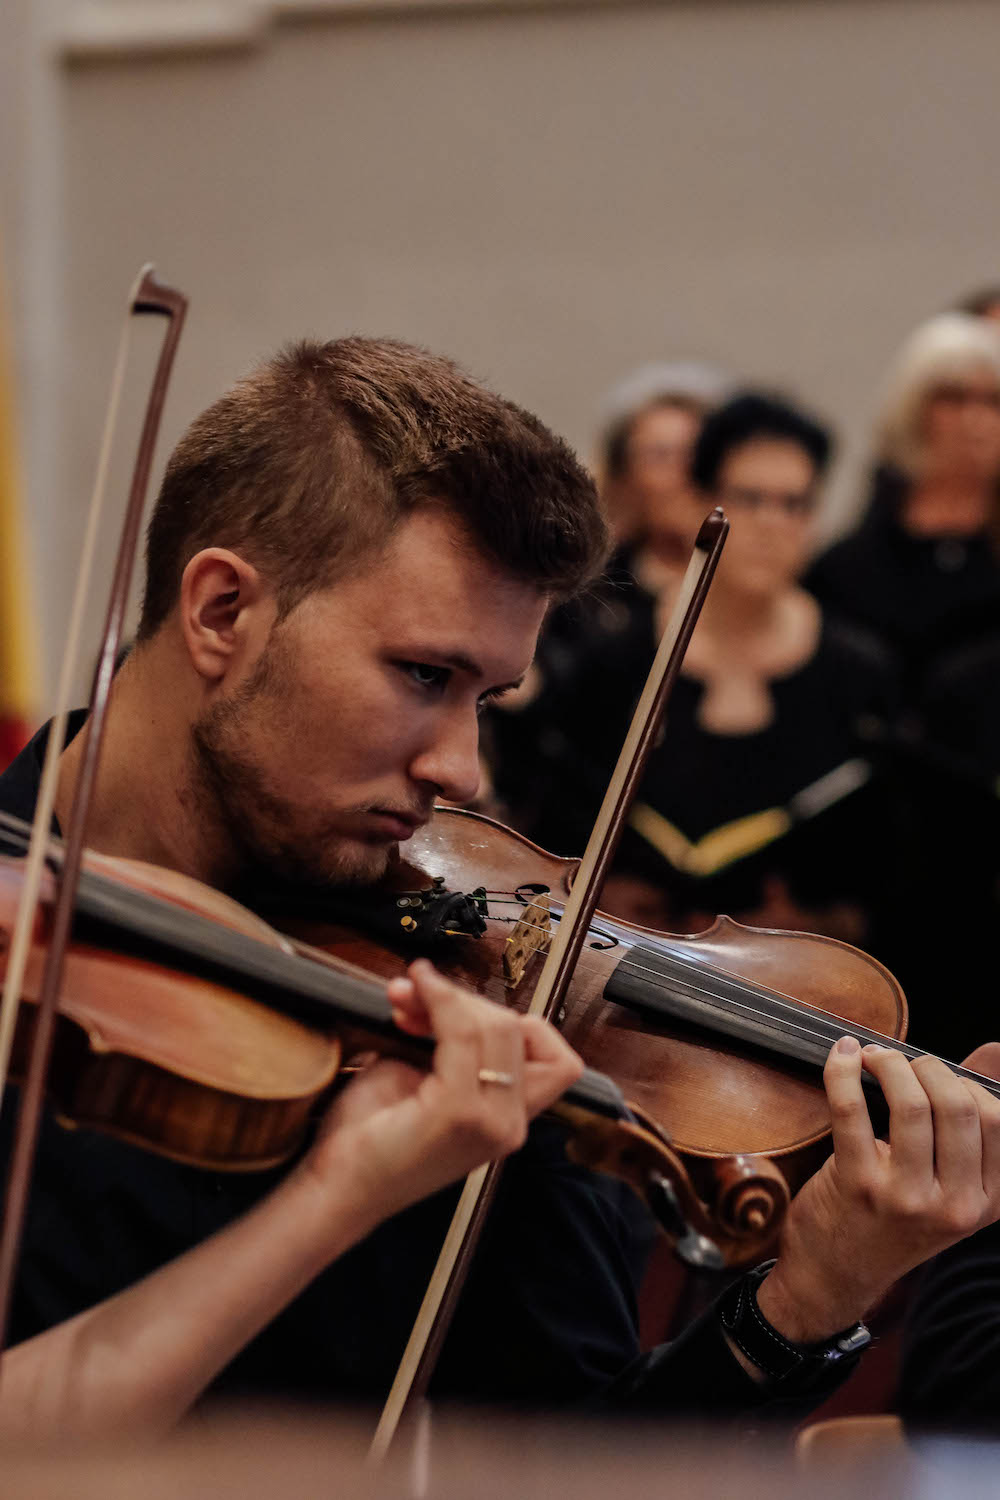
x: 165, y: 1059
x: 715, y: 1097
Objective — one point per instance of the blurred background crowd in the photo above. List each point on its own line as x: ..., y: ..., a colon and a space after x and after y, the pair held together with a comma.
x: 831, y: 756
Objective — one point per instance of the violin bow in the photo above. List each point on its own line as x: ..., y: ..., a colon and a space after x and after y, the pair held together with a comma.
x: 448, y: 1278
x: 148, y: 296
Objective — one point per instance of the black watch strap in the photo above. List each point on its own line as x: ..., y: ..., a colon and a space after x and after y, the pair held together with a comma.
x: 765, y: 1347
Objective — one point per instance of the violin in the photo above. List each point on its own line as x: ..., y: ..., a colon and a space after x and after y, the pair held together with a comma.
x: 720, y: 1036
x: 196, y: 1027
x: 189, y: 1026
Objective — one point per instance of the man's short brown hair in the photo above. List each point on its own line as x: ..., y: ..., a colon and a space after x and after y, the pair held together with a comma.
x: 316, y: 456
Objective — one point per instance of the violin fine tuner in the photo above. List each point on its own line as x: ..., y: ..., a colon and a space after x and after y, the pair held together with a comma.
x: 412, y: 919
x: 440, y: 913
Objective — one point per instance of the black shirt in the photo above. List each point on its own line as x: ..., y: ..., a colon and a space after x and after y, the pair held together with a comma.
x: 548, y: 1316
x: 937, y: 601
x: 950, y: 1367
x: 953, y: 772
x: 921, y: 594
x: 718, y: 816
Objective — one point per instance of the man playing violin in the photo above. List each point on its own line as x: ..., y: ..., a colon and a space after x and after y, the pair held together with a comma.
x: 352, y: 551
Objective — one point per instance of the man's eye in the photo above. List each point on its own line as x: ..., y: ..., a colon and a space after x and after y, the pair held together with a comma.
x: 426, y: 676
x: 492, y: 695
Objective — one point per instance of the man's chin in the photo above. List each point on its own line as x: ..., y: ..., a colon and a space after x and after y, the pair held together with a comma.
x: 343, y: 862
x: 360, y: 861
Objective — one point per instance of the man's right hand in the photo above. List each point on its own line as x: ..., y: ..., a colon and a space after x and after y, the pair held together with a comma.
x: 395, y: 1134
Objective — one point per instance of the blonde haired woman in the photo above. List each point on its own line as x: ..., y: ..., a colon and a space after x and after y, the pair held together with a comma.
x: 923, y: 567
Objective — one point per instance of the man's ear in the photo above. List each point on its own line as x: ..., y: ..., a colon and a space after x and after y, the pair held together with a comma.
x: 226, y: 611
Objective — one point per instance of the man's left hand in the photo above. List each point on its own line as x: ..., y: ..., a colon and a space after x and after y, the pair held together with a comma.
x: 877, y: 1208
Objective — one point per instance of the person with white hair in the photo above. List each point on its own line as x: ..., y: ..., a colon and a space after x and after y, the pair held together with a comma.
x: 923, y: 570
x: 923, y: 567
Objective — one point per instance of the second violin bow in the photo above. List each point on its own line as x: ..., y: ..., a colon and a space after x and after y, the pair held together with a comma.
x: 148, y: 296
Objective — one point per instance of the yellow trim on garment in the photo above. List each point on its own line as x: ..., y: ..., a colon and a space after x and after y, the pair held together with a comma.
x: 711, y: 853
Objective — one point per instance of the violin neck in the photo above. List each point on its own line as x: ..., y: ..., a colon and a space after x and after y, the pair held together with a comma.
x: 664, y: 984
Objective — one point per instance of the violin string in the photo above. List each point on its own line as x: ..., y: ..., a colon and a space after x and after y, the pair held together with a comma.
x: 794, y: 1017
x: 18, y: 829
x: 823, y: 1032
x: 825, y: 1029
x: 796, y: 1020
x: 778, y: 1002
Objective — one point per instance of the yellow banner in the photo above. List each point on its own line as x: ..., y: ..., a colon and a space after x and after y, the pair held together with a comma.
x: 19, y: 671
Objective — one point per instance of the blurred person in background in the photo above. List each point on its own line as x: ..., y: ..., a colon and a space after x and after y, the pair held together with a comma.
x: 923, y: 570
x: 650, y: 423
x: 953, y: 770
x: 923, y: 567
x: 761, y: 801
x: 985, y: 303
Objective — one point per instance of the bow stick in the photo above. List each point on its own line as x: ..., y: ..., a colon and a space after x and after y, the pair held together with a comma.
x: 440, y: 1300
x: 147, y: 296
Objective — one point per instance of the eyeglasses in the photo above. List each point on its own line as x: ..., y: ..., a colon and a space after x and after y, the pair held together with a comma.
x: 956, y: 394
x: 796, y: 505
x: 657, y: 454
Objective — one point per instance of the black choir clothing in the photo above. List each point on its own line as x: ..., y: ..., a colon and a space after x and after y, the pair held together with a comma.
x: 922, y: 595
x: 954, y: 773
x: 950, y: 1366
x: 718, y: 816
x: 529, y: 745
x: 548, y: 1316
x: 935, y: 600
x: 960, y: 713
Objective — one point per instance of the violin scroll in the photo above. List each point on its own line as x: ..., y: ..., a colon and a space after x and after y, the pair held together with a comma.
x: 752, y: 1198
x: 750, y: 1195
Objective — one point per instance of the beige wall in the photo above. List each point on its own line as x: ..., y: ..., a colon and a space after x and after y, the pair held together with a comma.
x: 553, y: 194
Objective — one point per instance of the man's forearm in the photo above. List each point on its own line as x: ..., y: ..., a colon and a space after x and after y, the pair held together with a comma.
x: 140, y: 1359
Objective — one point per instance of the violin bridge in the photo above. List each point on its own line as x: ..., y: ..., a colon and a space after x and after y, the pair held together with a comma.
x: 530, y: 934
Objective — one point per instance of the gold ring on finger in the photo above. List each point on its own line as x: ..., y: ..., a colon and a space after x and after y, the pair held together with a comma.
x: 495, y: 1075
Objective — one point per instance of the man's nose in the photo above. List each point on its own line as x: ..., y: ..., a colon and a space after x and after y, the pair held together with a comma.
x: 450, y: 761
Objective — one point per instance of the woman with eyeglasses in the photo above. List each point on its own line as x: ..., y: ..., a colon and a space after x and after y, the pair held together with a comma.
x: 923, y: 567
x: 761, y: 799
x: 923, y: 570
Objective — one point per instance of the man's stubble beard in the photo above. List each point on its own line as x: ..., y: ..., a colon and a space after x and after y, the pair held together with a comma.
x: 263, y: 831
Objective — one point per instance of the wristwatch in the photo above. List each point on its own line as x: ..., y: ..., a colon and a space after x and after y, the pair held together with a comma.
x: 765, y: 1347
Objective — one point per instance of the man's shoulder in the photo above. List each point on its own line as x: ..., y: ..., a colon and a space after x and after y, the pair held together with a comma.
x: 19, y: 783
